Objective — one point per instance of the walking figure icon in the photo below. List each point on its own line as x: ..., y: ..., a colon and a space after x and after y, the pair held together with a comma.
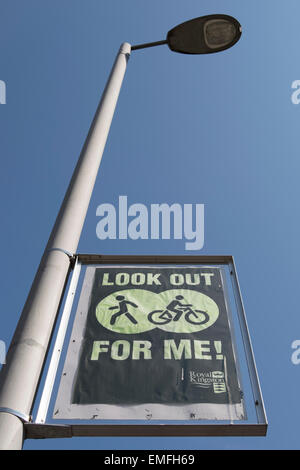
x: 123, y: 310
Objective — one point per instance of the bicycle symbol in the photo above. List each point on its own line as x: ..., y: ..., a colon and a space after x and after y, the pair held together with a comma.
x: 193, y: 316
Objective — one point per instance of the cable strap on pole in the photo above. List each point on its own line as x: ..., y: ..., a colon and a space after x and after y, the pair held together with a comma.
x: 70, y: 255
x: 22, y: 416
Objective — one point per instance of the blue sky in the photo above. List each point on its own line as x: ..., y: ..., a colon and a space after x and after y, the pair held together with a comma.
x: 219, y: 130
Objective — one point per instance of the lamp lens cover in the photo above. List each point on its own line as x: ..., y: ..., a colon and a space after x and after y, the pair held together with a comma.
x: 218, y: 33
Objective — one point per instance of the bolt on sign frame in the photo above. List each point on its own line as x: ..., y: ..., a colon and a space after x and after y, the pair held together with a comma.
x: 155, y: 350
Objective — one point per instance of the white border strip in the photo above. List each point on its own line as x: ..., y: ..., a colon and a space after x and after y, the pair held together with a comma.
x: 249, y: 354
x: 60, y: 338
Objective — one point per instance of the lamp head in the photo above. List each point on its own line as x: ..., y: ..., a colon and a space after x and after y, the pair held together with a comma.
x: 205, y: 35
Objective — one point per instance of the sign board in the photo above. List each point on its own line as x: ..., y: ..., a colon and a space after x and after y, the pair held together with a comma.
x: 153, y: 342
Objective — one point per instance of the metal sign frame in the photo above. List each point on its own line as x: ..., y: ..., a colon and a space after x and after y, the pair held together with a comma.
x: 40, y: 429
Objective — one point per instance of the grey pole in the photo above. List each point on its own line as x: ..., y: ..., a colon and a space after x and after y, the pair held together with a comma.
x: 20, y: 375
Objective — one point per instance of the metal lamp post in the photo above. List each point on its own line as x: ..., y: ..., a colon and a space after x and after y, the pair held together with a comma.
x: 19, y: 377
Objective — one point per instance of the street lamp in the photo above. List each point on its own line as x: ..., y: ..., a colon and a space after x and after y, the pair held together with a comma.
x: 19, y: 377
x: 204, y: 35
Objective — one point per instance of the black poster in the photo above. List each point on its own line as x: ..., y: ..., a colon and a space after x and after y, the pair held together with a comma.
x: 156, y: 335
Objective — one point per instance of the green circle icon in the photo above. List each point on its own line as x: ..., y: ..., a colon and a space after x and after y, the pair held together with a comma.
x: 126, y: 311
x: 186, y: 311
